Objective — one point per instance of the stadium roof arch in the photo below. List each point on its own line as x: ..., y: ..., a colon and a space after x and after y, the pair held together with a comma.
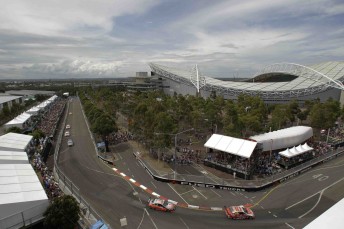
x: 307, y: 81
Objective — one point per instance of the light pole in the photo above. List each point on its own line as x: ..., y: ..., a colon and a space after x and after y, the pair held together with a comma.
x: 175, y: 146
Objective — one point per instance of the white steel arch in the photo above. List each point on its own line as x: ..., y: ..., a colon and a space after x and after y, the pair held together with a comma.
x: 318, y: 82
x: 197, y: 80
x: 302, y: 71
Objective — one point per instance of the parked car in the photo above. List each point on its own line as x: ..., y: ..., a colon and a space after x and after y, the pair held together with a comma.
x: 161, y: 205
x: 70, y: 142
x: 67, y: 126
x: 239, y: 212
x: 67, y: 133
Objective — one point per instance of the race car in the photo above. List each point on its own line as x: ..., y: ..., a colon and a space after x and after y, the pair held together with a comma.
x: 239, y: 212
x: 161, y: 205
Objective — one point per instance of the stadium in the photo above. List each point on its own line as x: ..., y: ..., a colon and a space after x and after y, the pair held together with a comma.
x: 276, y: 83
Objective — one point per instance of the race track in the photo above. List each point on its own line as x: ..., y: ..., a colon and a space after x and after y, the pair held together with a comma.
x: 292, y: 204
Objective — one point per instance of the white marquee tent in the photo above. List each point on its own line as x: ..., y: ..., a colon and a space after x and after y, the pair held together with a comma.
x: 296, y: 151
x: 20, y: 191
x: 284, y: 138
x: 236, y: 146
x: 19, y: 120
x: 13, y: 157
x: 14, y: 142
x: 33, y: 110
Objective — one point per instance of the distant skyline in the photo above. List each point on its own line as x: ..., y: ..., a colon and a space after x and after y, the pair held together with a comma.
x: 116, y: 38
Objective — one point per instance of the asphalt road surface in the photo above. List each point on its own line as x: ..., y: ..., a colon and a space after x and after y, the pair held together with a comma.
x: 292, y: 204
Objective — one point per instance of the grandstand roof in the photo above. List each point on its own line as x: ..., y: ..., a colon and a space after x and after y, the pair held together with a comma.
x: 14, y: 142
x: 312, y: 79
x: 20, y: 190
x: 7, y: 98
x: 284, y: 138
x: 236, y: 146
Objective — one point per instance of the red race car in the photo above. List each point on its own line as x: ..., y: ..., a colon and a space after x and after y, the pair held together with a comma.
x: 161, y: 205
x: 239, y: 212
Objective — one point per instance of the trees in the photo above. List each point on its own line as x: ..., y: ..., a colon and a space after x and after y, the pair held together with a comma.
x: 324, y: 115
x: 62, y: 213
x: 14, y: 129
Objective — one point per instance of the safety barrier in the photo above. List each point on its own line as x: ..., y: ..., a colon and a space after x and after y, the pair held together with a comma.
x: 235, y: 184
x: 67, y: 186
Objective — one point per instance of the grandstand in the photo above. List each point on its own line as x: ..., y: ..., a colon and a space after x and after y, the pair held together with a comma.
x: 276, y: 83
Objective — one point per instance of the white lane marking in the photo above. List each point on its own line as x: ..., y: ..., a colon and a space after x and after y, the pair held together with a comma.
x: 275, y: 215
x: 132, y: 180
x: 187, y: 192
x: 200, y: 193
x: 143, y: 216
x: 153, y: 184
x: 143, y: 187
x: 128, y: 169
x: 137, y: 164
x: 120, y: 156
x: 315, y: 194
x: 178, y: 194
x: 261, y: 207
x: 289, y: 225
x: 253, y: 197
x: 313, y: 206
x: 246, y: 197
x: 151, y: 218
x: 215, y: 193
x: 269, y: 212
x: 184, y: 223
x: 233, y: 194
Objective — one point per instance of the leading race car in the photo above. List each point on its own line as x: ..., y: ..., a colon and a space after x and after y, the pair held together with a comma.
x: 161, y: 205
x: 239, y: 212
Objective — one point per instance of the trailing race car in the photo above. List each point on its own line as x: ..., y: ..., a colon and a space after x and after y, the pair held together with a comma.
x: 239, y: 212
x: 161, y: 205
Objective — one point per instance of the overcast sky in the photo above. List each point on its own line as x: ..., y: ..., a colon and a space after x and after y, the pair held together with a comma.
x: 116, y: 38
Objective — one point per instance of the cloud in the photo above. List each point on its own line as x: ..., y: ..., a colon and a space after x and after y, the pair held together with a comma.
x: 58, y: 17
x: 77, y: 68
x: 116, y: 38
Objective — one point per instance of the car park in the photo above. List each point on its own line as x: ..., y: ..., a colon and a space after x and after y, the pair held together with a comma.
x: 67, y: 133
x: 161, y: 205
x: 70, y: 142
x: 239, y: 212
x: 67, y: 126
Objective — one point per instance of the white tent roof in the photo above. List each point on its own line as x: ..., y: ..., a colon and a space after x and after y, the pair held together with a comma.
x: 14, y: 142
x: 296, y: 151
x: 33, y: 110
x: 236, y: 146
x: 13, y: 153
x: 332, y: 218
x: 10, y: 159
x: 284, y: 138
x: 19, y: 120
x: 20, y: 189
x: 19, y: 183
